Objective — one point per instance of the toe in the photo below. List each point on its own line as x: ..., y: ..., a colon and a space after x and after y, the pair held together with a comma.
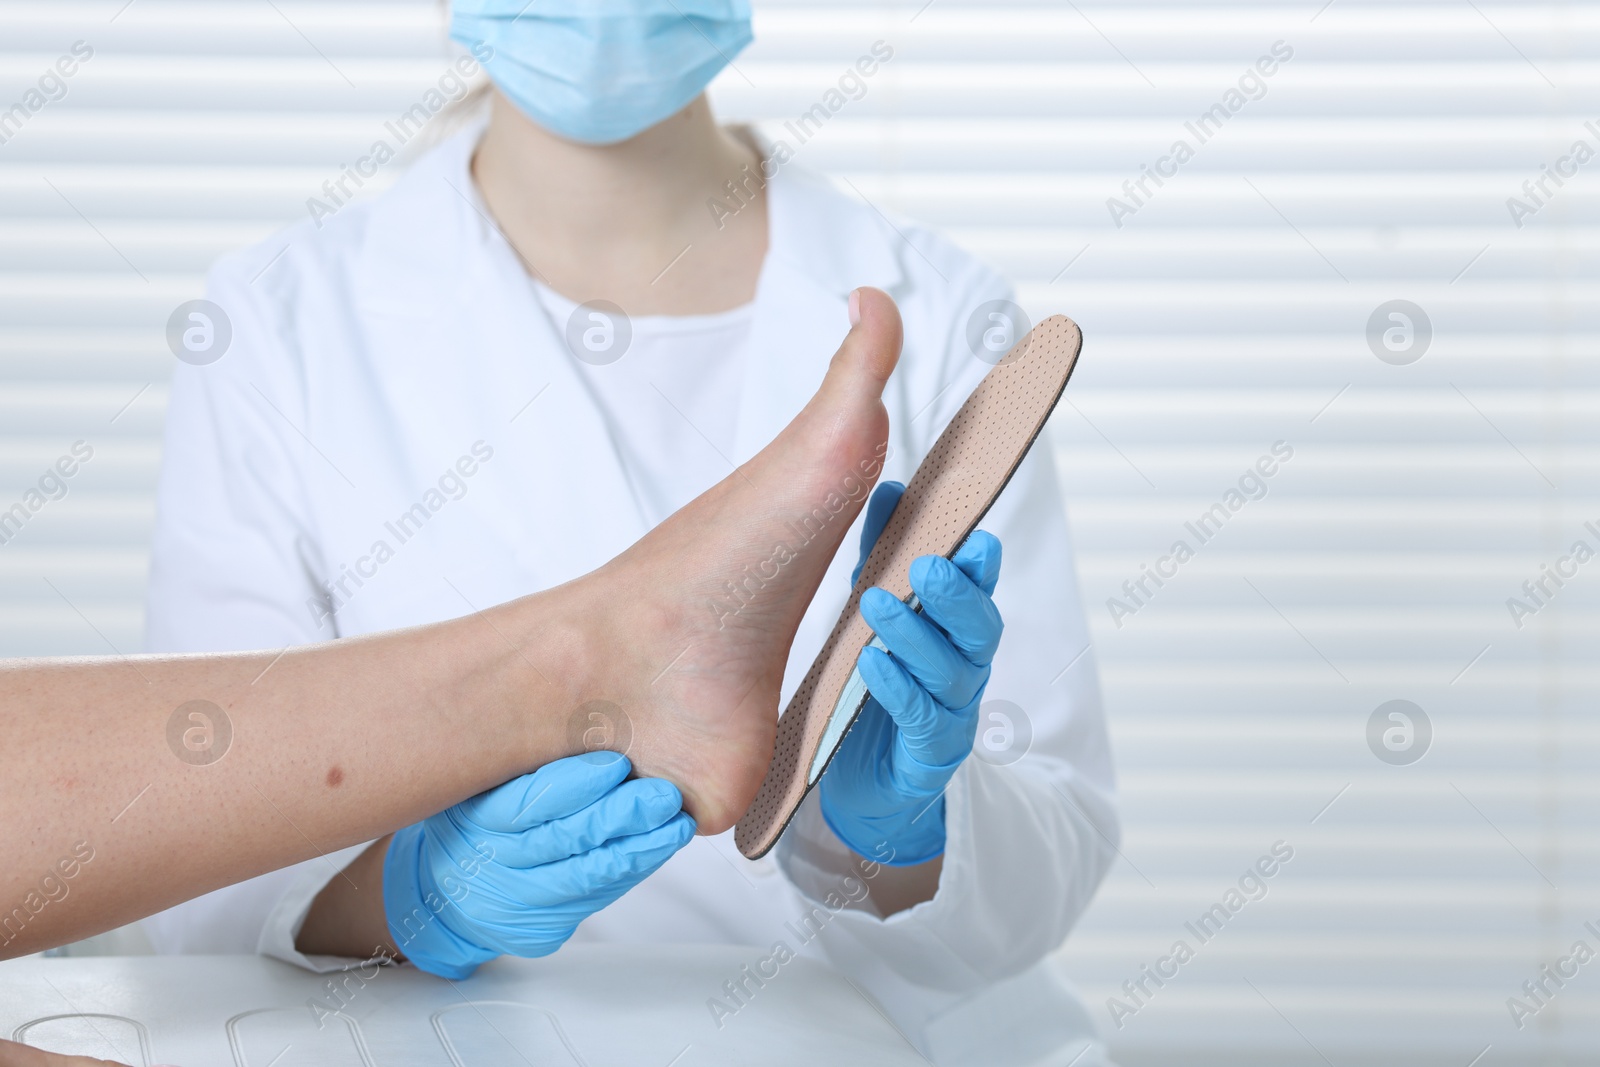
x: 872, y: 347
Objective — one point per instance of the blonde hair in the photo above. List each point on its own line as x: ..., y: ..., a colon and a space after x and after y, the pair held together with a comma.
x: 455, y: 115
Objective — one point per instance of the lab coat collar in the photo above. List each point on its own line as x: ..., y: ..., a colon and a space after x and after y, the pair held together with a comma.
x: 432, y: 251
x: 837, y: 242
x: 425, y: 234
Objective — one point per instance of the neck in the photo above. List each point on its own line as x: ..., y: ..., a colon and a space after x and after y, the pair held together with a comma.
x: 602, y: 221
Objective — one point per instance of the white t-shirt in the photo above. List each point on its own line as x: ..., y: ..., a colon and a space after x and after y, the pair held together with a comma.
x: 671, y: 399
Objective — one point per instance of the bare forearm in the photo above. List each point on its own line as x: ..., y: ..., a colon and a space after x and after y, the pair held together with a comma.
x: 347, y: 918
x: 132, y: 784
x: 895, y: 889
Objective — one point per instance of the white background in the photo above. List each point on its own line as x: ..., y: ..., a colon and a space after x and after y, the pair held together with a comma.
x: 1229, y: 313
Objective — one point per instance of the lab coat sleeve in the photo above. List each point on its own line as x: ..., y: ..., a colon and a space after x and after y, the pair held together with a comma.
x: 1028, y: 841
x: 232, y: 559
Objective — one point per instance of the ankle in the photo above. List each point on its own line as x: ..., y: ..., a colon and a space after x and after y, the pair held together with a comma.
x: 546, y: 665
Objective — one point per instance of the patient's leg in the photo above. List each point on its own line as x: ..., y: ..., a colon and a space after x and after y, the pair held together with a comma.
x: 147, y: 780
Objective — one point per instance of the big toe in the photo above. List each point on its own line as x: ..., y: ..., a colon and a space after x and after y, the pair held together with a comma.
x: 871, y: 349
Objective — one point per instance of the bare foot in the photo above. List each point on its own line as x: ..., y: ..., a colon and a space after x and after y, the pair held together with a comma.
x: 702, y: 611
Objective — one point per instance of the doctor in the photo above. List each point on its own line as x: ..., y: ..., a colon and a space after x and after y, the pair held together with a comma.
x: 535, y: 347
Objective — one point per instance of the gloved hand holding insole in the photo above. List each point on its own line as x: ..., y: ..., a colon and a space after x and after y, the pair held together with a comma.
x: 883, y: 793
x: 514, y: 870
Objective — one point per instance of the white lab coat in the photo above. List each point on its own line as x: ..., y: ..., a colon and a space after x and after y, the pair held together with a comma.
x: 369, y: 354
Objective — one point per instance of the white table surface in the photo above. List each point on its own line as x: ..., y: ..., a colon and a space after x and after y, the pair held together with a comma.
x: 639, y: 1006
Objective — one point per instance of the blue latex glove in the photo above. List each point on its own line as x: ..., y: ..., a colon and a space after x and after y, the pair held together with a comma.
x: 513, y: 870
x: 883, y: 794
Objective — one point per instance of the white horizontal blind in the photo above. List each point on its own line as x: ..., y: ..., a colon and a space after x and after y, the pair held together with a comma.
x: 1227, y: 313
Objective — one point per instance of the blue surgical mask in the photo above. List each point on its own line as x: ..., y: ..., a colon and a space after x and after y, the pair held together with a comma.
x: 601, y: 71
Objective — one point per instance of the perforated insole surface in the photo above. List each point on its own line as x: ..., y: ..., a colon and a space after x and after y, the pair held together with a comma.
x: 952, y: 490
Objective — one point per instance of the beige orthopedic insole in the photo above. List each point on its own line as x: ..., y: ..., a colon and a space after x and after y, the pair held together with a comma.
x: 945, y: 500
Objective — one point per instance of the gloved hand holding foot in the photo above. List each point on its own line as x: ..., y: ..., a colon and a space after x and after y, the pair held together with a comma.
x: 514, y: 870
x: 883, y: 794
